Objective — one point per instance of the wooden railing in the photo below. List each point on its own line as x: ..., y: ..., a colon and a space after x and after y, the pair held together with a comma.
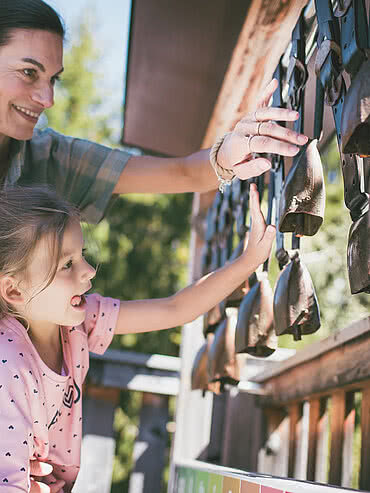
x: 306, y: 437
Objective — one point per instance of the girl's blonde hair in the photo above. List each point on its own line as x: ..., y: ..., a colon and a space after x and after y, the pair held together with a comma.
x: 28, y: 214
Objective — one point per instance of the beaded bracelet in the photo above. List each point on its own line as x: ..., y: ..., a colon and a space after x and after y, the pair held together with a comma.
x: 224, y: 176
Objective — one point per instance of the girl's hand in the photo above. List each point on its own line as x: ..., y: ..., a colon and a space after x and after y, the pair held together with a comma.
x: 261, y: 236
x: 257, y: 133
x: 42, y: 479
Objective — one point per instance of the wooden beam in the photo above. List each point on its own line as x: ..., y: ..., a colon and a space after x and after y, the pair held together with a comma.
x: 346, y: 366
x: 264, y: 38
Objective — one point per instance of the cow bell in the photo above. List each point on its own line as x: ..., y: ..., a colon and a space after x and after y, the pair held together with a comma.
x: 355, y: 122
x: 302, y: 203
x: 223, y: 365
x: 199, y: 372
x: 255, y: 333
x: 358, y: 255
x: 296, y: 310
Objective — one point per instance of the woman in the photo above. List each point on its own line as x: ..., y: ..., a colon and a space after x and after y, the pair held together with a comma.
x: 31, y: 60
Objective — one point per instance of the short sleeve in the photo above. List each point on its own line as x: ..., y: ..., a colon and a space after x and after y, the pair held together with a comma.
x: 100, y: 321
x: 81, y: 171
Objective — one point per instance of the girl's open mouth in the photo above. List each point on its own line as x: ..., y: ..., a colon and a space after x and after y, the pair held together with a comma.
x: 78, y: 302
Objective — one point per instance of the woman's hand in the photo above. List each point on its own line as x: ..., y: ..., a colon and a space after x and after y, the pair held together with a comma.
x: 257, y: 133
x: 261, y: 236
x: 42, y: 479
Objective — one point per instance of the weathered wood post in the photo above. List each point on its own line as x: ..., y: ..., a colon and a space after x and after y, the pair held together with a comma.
x: 150, y: 445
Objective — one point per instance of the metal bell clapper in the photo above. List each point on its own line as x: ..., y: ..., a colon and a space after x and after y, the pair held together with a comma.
x: 302, y: 203
x: 355, y: 121
x: 296, y: 310
x: 255, y: 333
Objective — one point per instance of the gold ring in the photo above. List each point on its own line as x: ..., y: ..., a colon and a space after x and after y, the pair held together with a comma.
x: 255, y: 116
x: 258, y: 128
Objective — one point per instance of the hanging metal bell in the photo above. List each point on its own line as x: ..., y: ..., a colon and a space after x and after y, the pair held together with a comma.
x: 296, y: 310
x: 358, y: 255
x: 355, y: 122
x: 302, y: 203
x: 223, y: 365
x: 255, y: 333
x: 199, y: 372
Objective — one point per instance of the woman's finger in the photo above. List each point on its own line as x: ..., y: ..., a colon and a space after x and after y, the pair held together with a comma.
x: 270, y: 129
x: 252, y: 168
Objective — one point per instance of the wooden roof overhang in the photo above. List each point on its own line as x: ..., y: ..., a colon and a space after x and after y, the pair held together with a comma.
x: 196, y: 68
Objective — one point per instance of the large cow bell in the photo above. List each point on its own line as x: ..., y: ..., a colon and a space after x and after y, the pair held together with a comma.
x: 358, y: 255
x: 302, y: 203
x: 296, y: 310
x: 255, y: 333
x: 355, y: 123
x: 223, y: 365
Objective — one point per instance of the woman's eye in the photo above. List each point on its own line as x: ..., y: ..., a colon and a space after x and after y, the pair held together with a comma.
x: 29, y: 72
x: 55, y: 79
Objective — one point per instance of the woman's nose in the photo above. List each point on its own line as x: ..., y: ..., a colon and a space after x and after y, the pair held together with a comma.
x: 44, y: 95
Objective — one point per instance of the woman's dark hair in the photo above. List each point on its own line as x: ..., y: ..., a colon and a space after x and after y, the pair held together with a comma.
x: 28, y: 14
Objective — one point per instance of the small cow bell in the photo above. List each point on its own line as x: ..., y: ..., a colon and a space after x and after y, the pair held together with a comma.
x: 255, y: 333
x: 199, y: 372
x: 223, y: 365
x: 296, y: 310
x: 302, y: 203
x: 355, y: 123
x: 358, y: 255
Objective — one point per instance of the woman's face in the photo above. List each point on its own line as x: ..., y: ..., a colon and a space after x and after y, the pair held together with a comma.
x: 29, y: 66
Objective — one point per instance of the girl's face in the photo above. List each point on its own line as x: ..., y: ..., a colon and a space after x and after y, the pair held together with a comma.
x: 29, y: 66
x: 62, y: 302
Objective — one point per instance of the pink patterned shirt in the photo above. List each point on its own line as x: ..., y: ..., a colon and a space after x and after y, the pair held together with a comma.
x: 40, y: 410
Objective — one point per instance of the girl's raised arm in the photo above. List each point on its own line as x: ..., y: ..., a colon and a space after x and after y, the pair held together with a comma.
x: 202, y: 295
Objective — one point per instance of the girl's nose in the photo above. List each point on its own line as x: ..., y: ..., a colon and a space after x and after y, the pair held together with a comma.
x: 89, y: 272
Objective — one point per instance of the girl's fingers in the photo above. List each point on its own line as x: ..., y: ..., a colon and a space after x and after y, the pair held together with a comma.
x: 38, y: 468
x: 267, y: 93
x: 252, y: 168
x: 37, y: 487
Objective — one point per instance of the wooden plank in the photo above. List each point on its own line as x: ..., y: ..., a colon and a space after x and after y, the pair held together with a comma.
x: 312, y: 437
x: 365, y: 441
x: 337, y: 416
x: 345, y: 366
x: 242, y: 431
x: 98, y: 443
x: 261, y: 43
x: 150, y: 445
x: 294, y: 417
x: 348, y: 437
x: 348, y: 334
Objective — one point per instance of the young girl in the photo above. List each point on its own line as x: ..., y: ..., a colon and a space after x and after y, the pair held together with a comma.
x: 49, y: 324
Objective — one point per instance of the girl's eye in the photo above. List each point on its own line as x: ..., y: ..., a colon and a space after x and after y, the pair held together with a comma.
x: 68, y: 265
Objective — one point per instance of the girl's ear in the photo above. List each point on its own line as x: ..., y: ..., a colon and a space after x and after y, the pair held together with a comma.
x: 10, y: 291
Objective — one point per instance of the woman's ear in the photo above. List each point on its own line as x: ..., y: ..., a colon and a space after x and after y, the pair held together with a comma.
x: 10, y: 292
